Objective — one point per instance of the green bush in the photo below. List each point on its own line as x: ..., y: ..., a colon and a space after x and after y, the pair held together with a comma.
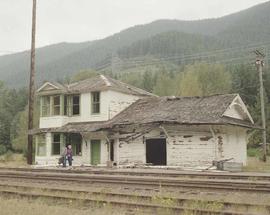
x: 3, y: 149
x: 253, y: 152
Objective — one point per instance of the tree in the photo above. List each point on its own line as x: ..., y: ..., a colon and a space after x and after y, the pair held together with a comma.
x: 84, y: 74
x: 11, y: 102
x: 19, y: 128
x: 165, y: 85
x: 148, y: 81
x: 188, y: 84
x: 204, y: 79
x: 245, y: 81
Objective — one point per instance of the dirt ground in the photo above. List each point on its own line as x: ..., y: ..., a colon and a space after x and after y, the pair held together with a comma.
x: 25, y: 207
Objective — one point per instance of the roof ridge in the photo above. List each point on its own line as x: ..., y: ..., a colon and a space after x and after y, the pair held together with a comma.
x: 129, y: 86
x: 192, y: 97
x: 105, y: 79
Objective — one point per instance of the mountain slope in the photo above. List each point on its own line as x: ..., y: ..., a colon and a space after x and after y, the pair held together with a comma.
x: 159, y: 38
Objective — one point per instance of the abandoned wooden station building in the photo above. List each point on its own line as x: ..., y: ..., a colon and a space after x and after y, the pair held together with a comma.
x: 106, y: 121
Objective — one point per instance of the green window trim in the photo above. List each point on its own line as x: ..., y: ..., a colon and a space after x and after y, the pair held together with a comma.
x: 60, y: 105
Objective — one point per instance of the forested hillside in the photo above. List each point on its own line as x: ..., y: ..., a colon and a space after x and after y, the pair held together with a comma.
x: 160, y: 38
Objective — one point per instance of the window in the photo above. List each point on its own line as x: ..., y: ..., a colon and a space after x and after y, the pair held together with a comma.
x: 95, y: 102
x: 66, y: 106
x: 45, y: 106
x: 56, y: 144
x: 56, y: 105
x: 41, y: 145
x: 76, y: 142
x: 75, y: 105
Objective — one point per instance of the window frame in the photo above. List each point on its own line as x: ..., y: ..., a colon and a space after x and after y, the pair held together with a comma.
x: 94, y: 103
x: 72, y: 104
x: 41, y: 139
x: 54, y: 142
x: 67, y: 106
x: 45, y: 106
x: 56, y: 106
x: 76, y: 146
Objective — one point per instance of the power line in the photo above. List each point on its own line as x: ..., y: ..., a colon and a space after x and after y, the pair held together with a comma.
x: 198, y: 56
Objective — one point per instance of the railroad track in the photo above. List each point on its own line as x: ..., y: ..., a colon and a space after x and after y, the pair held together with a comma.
x: 166, y: 182
x: 145, y: 203
x: 180, y: 174
x: 151, y: 182
x: 120, y: 195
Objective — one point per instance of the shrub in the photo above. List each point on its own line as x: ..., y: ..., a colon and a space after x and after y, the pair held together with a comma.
x: 8, y: 156
x: 3, y: 149
x: 253, y: 152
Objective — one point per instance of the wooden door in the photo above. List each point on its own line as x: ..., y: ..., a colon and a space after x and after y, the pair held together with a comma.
x: 95, y: 152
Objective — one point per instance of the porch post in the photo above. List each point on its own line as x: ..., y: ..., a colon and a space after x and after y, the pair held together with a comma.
x: 48, y: 144
x: 117, y: 149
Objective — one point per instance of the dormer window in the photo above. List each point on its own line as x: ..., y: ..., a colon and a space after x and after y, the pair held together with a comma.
x: 95, y: 102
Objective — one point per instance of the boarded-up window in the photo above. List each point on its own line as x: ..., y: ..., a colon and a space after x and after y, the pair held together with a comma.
x: 56, y: 143
x: 95, y: 102
x: 56, y: 105
x: 45, y: 106
x: 76, y: 105
x: 41, y: 145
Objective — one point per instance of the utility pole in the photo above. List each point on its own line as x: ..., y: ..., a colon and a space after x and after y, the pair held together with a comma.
x: 259, y: 65
x: 31, y: 95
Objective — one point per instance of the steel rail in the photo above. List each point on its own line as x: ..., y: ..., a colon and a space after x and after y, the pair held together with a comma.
x: 173, y: 209
x: 144, y: 197
x: 146, y: 181
x: 209, y: 175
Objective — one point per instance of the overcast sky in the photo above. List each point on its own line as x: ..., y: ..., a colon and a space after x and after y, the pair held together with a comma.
x: 84, y: 20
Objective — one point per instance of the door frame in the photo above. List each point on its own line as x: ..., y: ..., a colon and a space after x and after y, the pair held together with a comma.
x: 157, y: 138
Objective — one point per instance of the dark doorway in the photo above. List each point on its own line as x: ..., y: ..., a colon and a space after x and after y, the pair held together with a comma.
x: 112, y: 150
x: 156, y: 152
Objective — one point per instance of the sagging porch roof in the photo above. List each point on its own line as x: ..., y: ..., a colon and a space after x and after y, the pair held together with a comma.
x: 159, y: 110
x: 76, y: 127
x: 181, y: 110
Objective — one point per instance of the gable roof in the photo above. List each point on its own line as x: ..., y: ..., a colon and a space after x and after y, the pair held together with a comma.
x: 48, y: 86
x: 182, y: 110
x: 238, y: 107
x: 98, y: 83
